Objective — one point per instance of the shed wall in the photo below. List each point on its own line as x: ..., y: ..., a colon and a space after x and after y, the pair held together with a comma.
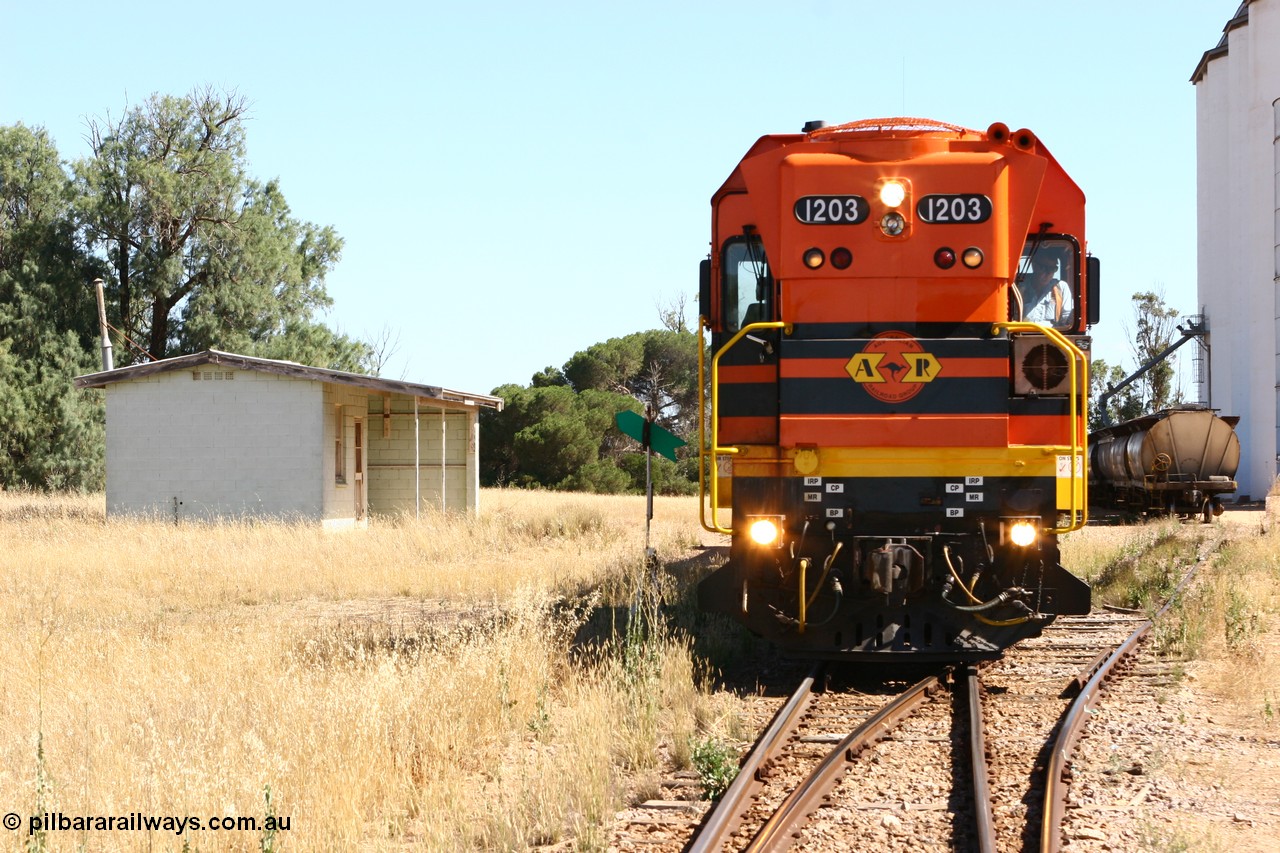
x: 445, y: 440
x: 250, y: 444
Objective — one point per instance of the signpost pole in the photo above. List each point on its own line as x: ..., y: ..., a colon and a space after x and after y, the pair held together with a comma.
x: 648, y: 487
x: 649, y: 434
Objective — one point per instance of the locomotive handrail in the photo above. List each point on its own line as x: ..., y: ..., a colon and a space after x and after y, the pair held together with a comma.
x: 715, y: 449
x: 1078, y: 381
x: 714, y: 527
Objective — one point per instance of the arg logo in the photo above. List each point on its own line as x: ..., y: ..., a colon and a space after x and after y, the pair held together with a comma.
x: 893, y: 367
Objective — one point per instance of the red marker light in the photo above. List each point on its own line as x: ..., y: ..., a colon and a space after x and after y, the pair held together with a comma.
x: 841, y: 258
x: 945, y: 258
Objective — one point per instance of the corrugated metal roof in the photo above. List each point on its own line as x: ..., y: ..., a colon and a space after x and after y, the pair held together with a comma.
x: 290, y: 369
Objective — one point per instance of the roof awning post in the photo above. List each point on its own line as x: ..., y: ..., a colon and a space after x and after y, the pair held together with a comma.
x: 444, y: 456
x: 417, y: 473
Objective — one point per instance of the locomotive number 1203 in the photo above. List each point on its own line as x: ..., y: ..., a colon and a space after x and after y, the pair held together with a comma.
x: 959, y: 209
x: 831, y: 209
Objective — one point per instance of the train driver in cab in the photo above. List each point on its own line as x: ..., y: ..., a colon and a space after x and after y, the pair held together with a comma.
x: 1048, y: 296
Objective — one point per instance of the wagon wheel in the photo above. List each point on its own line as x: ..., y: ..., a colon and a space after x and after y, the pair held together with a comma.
x: 1161, y: 463
x: 1206, y: 511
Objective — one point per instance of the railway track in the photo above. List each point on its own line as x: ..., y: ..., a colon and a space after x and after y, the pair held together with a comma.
x: 1026, y: 696
x: 967, y: 759
x: 801, y: 756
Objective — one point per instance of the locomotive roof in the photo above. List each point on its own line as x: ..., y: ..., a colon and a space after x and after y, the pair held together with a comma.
x: 893, y: 127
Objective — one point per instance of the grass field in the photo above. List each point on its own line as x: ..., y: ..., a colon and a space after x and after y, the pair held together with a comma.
x: 1229, y: 618
x: 448, y: 683
x: 413, y: 686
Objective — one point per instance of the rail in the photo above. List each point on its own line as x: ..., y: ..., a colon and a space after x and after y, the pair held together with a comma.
x: 720, y: 822
x: 1078, y: 376
x: 983, y: 817
x: 1057, y: 775
x: 714, y: 449
x: 775, y: 833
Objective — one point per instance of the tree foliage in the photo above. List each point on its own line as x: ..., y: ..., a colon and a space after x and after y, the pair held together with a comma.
x: 201, y: 255
x: 559, y: 431
x: 1156, y: 324
x: 195, y: 254
x: 52, y: 434
x: 1154, y: 389
x: 1120, y: 406
x: 658, y: 368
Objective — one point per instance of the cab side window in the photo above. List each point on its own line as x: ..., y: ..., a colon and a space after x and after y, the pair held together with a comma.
x: 1047, y: 282
x: 747, y: 282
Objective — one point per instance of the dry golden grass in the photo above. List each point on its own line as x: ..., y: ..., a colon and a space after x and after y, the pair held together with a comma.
x: 1234, y: 615
x: 406, y: 687
x: 1095, y: 551
x: 1228, y: 621
x: 415, y: 686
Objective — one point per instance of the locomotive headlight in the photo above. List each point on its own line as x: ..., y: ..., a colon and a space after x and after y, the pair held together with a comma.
x: 765, y: 531
x: 892, y: 193
x: 1022, y: 533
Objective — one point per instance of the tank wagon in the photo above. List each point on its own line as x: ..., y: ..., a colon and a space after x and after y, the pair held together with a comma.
x: 894, y: 412
x: 1178, y: 461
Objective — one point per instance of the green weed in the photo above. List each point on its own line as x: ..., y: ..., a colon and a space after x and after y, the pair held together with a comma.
x: 717, y: 766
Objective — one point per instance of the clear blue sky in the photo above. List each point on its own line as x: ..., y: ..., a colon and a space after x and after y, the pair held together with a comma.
x: 516, y: 181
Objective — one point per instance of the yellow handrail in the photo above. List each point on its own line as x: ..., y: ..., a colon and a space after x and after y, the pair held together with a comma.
x: 702, y: 433
x: 715, y: 449
x: 1079, y: 514
x: 804, y: 566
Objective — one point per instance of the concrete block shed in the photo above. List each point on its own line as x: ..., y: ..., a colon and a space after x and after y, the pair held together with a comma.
x: 220, y: 435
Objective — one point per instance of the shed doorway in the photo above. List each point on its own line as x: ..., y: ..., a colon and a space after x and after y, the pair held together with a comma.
x: 359, y: 470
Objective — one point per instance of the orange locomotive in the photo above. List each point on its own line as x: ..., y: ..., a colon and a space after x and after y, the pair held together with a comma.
x: 898, y: 387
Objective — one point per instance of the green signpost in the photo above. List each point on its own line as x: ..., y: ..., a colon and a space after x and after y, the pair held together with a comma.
x: 649, y: 434
x: 652, y: 437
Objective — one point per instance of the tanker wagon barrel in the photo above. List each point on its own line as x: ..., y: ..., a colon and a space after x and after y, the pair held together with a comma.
x: 1176, y: 461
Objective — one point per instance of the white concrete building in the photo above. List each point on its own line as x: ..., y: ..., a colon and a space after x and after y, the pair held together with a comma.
x: 218, y: 435
x: 1238, y: 207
